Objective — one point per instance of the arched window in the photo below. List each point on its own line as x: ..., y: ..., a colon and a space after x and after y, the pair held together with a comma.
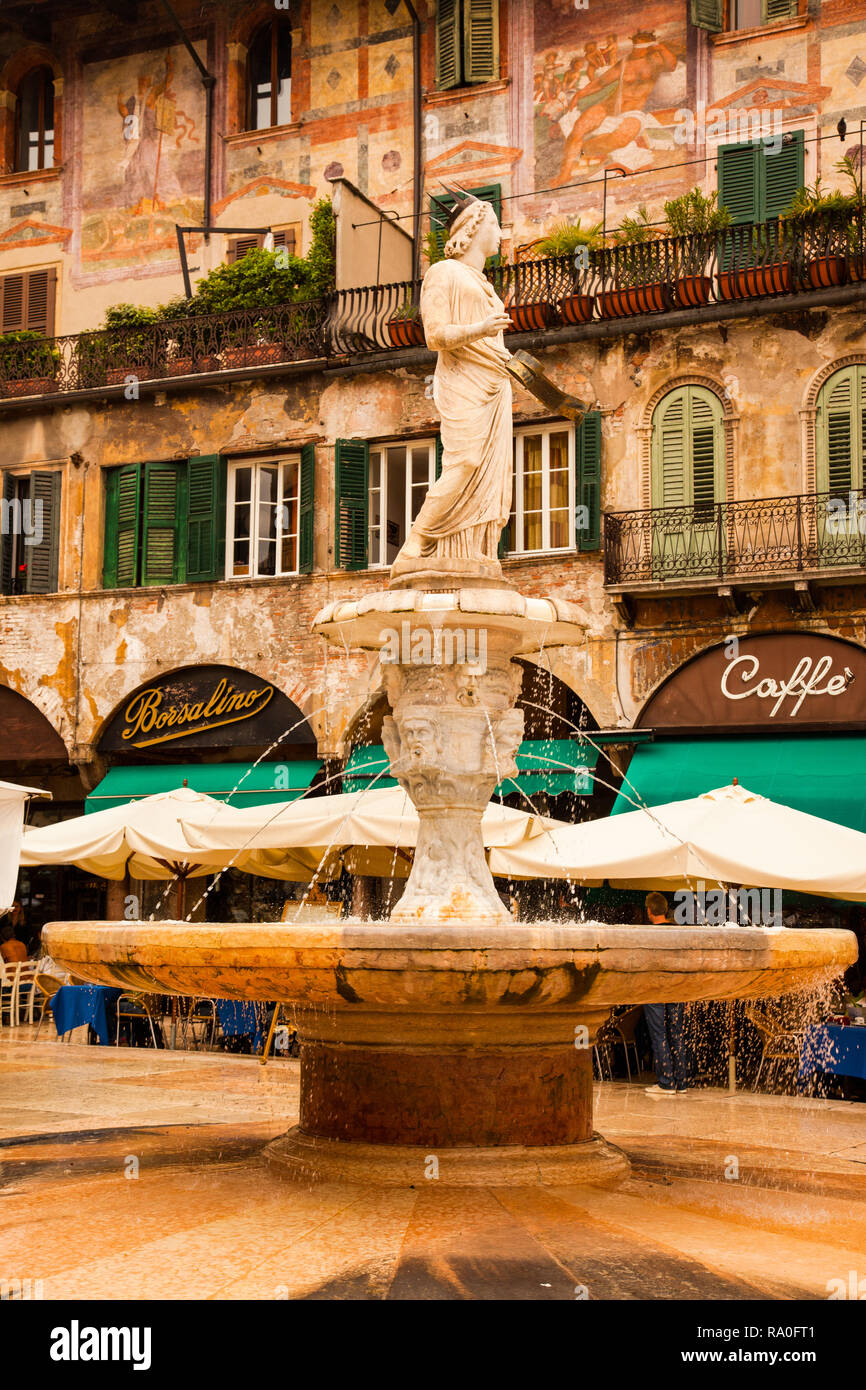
x: 840, y: 430
x: 688, y: 454
x: 688, y: 480
x: 34, y: 145
x: 269, y: 76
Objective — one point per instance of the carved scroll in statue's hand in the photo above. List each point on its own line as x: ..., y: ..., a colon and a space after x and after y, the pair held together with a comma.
x: 527, y: 370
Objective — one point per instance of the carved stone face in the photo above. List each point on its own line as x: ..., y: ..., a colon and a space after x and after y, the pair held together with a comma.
x: 419, y: 738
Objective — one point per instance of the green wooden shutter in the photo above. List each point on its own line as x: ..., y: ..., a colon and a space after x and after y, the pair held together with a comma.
x: 206, y: 518
x: 42, y: 558
x: 9, y: 492
x: 448, y: 46
x: 739, y: 173
x: 164, y: 524
x: 784, y: 173
x: 687, y: 450
x: 588, y: 450
x: 438, y: 464
x: 840, y: 432
x: 306, y: 511
x: 708, y: 14
x: 122, y: 516
x: 777, y: 9
x: 480, y: 40
x: 352, y: 459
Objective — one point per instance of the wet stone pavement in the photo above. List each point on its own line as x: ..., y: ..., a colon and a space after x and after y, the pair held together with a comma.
x: 126, y: 1174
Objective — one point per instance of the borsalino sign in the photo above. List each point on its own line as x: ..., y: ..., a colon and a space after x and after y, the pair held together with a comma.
x: 784, y: 681
x: 204, y: 707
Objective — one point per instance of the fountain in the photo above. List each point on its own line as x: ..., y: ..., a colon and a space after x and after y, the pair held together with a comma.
x: 452, y: 1034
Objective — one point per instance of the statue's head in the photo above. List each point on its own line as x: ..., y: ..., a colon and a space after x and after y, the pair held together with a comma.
x: 471, y: 221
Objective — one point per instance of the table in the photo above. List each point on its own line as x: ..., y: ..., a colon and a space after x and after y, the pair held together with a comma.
x: 831, y: 1047
x: 242, y: 1018
x: 74, y: 1005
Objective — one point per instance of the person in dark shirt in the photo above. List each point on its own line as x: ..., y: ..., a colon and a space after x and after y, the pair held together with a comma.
x: 666, y: 1025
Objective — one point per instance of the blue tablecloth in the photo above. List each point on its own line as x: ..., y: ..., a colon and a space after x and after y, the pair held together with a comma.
x: 74, y: 1005
x: 240, y: 1019
x: 834, y: 1048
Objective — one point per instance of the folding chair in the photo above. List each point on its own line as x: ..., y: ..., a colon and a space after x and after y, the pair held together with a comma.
x: 135, y: 1006
x: 202, y: 1012
x: 47, y: 986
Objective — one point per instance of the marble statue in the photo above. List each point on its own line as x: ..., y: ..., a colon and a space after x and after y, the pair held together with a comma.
x: 458, y: 528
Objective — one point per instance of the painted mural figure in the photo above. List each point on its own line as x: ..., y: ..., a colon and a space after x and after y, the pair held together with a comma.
x: 151, y: 116
x: 463, y: 515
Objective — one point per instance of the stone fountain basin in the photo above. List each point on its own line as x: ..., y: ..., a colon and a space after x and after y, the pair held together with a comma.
x: 350, y: 969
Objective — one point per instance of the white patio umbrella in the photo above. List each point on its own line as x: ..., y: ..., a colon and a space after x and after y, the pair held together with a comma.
x: 363, y: 824
x: 728, y: 836
x: 13, y: 799
x: 142, y: 838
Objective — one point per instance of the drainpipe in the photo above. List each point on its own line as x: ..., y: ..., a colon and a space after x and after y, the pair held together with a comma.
x: 416, y: 131
x: 208, y: 82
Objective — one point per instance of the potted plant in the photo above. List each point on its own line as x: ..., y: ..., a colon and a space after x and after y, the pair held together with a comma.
x: 637, y: 266
x: 571, y: 239
x: 694, y: 218
x: 822, y: 220
x: 28, y: 364
x: 405, y: 328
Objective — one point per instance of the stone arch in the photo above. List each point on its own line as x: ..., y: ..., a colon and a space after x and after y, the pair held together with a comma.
x: 730, y: 422
x: 809, y: 414
x: 11, y: 75
x: 28, y: 729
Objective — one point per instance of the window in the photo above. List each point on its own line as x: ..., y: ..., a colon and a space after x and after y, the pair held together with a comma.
x: 270, y: 76
x: 467, y: 42
x: 270, y: 515
x: 841, y: 433
x: 399, y: 476
x: 557, y: 486
x: 35, y: 121
x: 30, y: 533
x: 688, y: 450
x: 441, y: 205
x: 742, y: 14
x: 287, y: 237
x: 756, y: 181
x: 27, y: 301
x: 165, y: 522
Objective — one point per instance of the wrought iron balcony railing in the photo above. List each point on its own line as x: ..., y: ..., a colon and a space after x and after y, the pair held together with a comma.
x: 749, y: 262
x: 730, y: 542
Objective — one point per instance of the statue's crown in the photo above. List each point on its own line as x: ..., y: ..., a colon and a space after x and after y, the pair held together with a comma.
x: 448, y: 213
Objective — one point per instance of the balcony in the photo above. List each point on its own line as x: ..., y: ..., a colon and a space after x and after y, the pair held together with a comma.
x: 735, y: 549
x: 744, y: 270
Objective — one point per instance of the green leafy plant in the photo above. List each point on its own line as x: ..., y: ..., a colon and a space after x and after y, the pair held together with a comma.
x: 25, y: 353
x: 634, y: 229
x: 564, y: 238
x: 645, y: 266
x: 434, y: 246
x: 694, y: 212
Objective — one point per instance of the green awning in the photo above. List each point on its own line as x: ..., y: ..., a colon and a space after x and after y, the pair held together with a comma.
x: 824, y: 776
x: 238, y: 784
x: 543, y: 765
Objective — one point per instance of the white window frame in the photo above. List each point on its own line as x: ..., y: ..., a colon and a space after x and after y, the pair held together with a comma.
x: 256, y: 464
x: 381, y: 561
x: 545, y: 430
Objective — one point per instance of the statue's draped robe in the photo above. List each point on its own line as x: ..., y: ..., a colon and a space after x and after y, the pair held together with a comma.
x: 466, y: 508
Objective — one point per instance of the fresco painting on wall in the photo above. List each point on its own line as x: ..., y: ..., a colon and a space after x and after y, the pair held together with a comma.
x: 604, y: 99
x: 144, y: 114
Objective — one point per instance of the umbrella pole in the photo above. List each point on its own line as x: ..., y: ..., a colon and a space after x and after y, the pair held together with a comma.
x: 270, y: 1037
x: 175, y: 1003
x: 732, y: 1057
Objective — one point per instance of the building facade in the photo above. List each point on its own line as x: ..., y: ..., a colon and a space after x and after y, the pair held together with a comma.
x: 201, y: 495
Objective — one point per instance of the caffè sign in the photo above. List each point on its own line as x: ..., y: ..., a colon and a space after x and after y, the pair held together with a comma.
x: 782, y: 681
x: 202, y: 707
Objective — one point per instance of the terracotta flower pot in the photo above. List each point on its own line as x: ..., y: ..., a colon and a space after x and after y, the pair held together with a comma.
x: 253, y: 355
x: 691, y: 291
x: 29, y: 386
x: 191, y: 366
x: 116, y: 376
x: 406, y: 332
x: 857, y: 267
x: 530, y: 318
x: 577, y: 308
x: 825, y: 271
x: 754, y: 281
x: 637, y: 299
